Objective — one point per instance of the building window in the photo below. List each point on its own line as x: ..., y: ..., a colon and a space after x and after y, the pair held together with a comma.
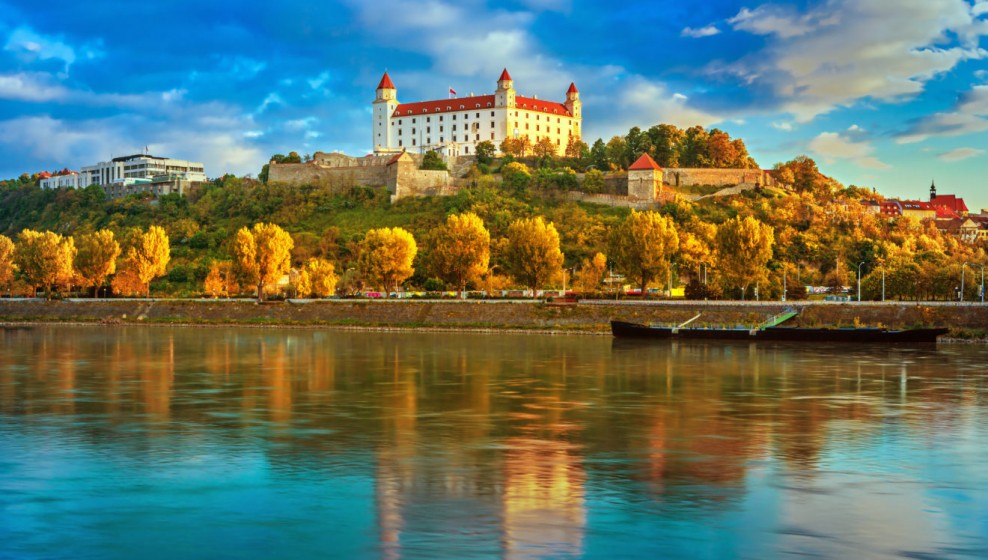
x: 399, y: 143
x: 440, y: 128
x: 428, y: 140
x: 413, y: 141
x: 492, y: 136
x: 466, y: 149
x: 478, y: 114
x: 428, y: 129
x: 478, y: 138
x: 399, y: 132
x: 492, y: 124
x: 526, y: 126
x: 440, y: 118
x: 413, y: 130
x: 537, y: 128
x: 454, y: 117
x: 440, y: 139
x: 428, y: 119
x: 454, y: 127
x: 492, y: 113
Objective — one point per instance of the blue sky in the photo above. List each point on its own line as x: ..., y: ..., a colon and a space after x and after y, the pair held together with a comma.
x: 883, y: 93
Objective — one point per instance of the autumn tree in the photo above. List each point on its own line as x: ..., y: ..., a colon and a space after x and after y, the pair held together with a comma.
x: 221, y: 280
x: 7, y: 266
x: 302, y: 283
x: 322, y: 276
x: 643, y: 245
x: 591, y: 273
x: 532, y: 255
x: 461, y: 250
x: 96, y: 258
x: 744, y: 247
x: 262, y: 255
x: 576, y: 148
x: 145, y: 259
x: 545, y: 147
x: 45, y: 258
x: 385, y: 257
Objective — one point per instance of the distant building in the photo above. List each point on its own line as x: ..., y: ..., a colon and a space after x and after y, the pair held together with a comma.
x: 454, y: 126
x: 138, y: 173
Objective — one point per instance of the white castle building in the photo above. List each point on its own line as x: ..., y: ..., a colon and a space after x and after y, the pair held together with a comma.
x: 454, y: 126
x: 131, y: 174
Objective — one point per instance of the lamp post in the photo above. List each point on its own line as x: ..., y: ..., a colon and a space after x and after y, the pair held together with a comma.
x: 962, y: 281
x: 783, y: 283
x: 859, y: 281
x: 982, y: 283
x: 883, y: 283
x: 671, y: 266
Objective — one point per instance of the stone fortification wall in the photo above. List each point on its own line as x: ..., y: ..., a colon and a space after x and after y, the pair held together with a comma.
x: 684, y: 177
x: 336, y: 169
x: 406, y: 179
x: 621, y: 200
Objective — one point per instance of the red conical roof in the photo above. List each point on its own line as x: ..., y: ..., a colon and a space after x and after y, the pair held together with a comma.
x: 645, y: 162
x: 572, y: 88
x: 386, y: 82
x: 504, y: 75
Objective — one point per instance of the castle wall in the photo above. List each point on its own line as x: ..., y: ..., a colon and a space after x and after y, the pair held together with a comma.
x: 684, y: 177
x: 643, y: 184
x: 342, y: 177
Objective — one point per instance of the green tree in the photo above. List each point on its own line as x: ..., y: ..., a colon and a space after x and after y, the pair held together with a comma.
x: 96, y: 259
x: 485, y: 152
x: 665, y: 140
x: 461, y: 250
x: 385, y: 257
x: 533, y: 255
x: 598, y: 155
x: 593, y: 181
x: 516, y: 176
x: 693, y: 149
x: 643, y: 245
x: 262, y: 255
x: 45, y: 259
x: 432, y: 161
x: 744, y: 247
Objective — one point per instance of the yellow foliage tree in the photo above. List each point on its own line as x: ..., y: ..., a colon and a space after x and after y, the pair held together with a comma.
x: 744, y: 247
x: 643, y: 245
x: 45, y: 258
x: 7, y: 266
x: 461, y: 250
x: 221, y: 281
x: 591, y: 274
x: 385, y: 257
x: 302, y: 283
x: 146, y: 258
x: 322, y: 274
x: 533, y: 255
x: 96, y: 258
x: 262, y: 255
x: 544, y: 147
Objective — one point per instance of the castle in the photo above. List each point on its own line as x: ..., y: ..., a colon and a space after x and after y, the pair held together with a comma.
x: 455, y: 126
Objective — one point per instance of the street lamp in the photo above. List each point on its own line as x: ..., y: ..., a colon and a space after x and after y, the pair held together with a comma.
x: 671, y: 266
x: 962, y: 281
x: 883, y: 283
x: 783, y: 283
x: 859, y: 281
x: 982, y: 283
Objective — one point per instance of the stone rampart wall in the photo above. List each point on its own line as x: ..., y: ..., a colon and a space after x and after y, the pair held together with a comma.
x: 340, y: 177
x: 685, y: 177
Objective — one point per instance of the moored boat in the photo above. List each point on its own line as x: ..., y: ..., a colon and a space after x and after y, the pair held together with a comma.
x: 623, y: 329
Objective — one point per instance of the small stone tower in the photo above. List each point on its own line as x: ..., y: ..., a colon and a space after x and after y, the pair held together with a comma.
x: 504, y: 96
x: 644, y: 179
x: 385, y: 104
x: 933, y: 191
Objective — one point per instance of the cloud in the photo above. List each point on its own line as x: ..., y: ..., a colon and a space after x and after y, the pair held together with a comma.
x: 845, y: 51
x: 832, y: 146
x: 959, y: 154
x: 31, y: 46
x: 782, y: 125
x: 706, y: 31
x: 968, y: 116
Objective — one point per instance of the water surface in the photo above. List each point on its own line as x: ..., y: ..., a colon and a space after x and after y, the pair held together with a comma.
x: 251, y: 443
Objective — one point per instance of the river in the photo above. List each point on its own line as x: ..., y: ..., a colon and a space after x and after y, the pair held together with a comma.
x: 157, y: 442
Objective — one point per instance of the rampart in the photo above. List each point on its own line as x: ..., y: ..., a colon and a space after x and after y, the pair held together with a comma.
x: 685, y: 177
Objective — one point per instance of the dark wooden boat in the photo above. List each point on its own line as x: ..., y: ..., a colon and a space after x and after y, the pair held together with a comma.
x: 624, y: 329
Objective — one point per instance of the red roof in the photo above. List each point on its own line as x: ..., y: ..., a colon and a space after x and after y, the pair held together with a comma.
x: 386, y: 82
x: 476, y: 102
x: 572, y: 88
x: 645, y: 162
x: 949, y: 201
x: 945, y: 213
x: 504, y: 75
x: 44, y: 175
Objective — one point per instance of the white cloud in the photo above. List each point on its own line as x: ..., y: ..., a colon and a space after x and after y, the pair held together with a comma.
x: 846, y: 51
x: 782, y: 125
x: 959, y: 154
x: 968, y: 116
x: 30, y: 46
x: 706, y: 31
x: 832, y: 146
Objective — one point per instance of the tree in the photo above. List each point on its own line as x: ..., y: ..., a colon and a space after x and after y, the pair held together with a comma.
x: 744, y: 247
x: 302, y: 283
x: 461, y: 250
x: 385, y: 257
x: 516, y: 176
x: 665, y: 140
x: 722, y: 151
x: 643, y: 245
x: 575, y: 148
x: 262, y: 255
x: 96, y: 258
x: 516, y: 147
x: 616, y: 151
x: 593, y: 181
x: 7, y: 266
x: 693, y: 149
x: 598, y: 155
x: 322, y: 275
x: 45, y: 258
x: 432, y: 161
x: 145, y: 259
x: 533, y: 254
x: 485, y: 152
x: 214, y: 284
x: 545, y: 147
x: 591, y: 274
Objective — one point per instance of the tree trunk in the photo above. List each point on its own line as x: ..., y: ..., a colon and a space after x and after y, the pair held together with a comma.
x: 260, y: 292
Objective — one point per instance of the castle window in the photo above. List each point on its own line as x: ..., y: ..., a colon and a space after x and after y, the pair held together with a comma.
x: 526, y: 126
x: 492, y: 112
x: 440, y: 128
x: 516, y: 113
x: 557, y: 121
x: 462, y: 107
x: 478, y: 106
x: 488, y: 104
x: 413, y: 130
x: 478, y: 114
x: 466, y: 149
x: 426, y: 110
x: 557, y: 141
x: 413, y: 141
x: 399, y: 143
x: 492, y: 136
x: 537, y: 128
x: 428, y: 140
x: 399, y: 121
x: 399, y: 132
x: 428, y: 119
x: 440, y: 118
x: 454, y: 117
x: 454, y: 127
x: 478, y: 138
x: 448, y: 108
x: 492, y: 124
x: 440, y: 139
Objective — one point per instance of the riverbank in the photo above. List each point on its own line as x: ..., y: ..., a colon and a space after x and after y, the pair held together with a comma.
x: 592, y: 316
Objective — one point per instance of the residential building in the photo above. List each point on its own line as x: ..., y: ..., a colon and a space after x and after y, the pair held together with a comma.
x: 138, y: 173
x: 455, y: 126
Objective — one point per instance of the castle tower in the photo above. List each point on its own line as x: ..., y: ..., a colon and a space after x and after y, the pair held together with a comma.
x: 644, y: 179
x: 575, y: 108
x: 504, y: 96
x: 385, y: 104
x: 933, y: 191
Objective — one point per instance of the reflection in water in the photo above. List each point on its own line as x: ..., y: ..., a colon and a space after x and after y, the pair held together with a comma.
x: 426, y: 445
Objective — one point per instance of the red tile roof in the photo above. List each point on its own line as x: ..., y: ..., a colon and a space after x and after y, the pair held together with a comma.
x: 44, y: 175
x: 476, y: 102
x: 572, y: 88
x: 949, y: 201
x: 386, y: 82
x: 945, y: 213
x: 504, y: 75
x: 645, y: 162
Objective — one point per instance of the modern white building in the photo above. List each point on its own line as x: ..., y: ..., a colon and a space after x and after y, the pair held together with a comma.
x: 133, y: 174
x: 454, y: 126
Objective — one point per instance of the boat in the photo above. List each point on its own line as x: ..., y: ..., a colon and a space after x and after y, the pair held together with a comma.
x: 774, y: 333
